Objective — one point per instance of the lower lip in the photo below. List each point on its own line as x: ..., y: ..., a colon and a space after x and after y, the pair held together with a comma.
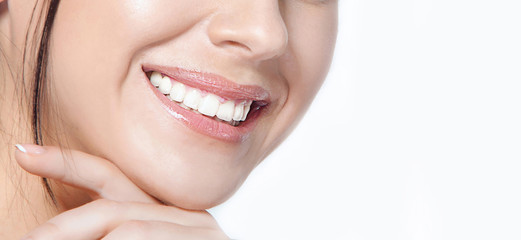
x: 205, y: 125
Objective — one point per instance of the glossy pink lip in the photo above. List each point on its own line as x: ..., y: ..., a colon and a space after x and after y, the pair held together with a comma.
x: 216, y: 85
x: 212, y: 83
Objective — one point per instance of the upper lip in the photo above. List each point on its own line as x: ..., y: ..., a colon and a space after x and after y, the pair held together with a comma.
x: 212, y: 83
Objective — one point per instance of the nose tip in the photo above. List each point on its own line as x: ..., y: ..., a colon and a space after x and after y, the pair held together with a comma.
x: 256, y: 34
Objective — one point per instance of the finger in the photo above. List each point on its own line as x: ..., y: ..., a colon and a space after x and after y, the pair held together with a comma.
x: 141, y: 230
x: 80, y: 170
x: 94, y: 220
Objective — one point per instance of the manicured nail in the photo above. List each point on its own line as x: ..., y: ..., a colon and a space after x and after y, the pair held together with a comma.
x: 20, y: 148
x: 30, y: 148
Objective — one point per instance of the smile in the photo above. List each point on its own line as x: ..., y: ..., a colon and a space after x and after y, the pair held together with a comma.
x: 208, y: 103
x: 202, y: 102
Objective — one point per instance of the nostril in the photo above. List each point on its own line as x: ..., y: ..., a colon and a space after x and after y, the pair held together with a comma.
x: 235, y: 44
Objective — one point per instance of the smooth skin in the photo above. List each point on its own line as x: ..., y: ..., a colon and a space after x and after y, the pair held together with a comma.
x: 120, y: 209
x: 129, y: 154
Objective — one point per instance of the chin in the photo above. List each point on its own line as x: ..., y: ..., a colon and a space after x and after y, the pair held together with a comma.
x: 182, y: 167
x: 198, y: 195
x: 192, y: 179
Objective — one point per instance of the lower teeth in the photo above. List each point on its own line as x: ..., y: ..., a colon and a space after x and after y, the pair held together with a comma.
x: 232, y: 122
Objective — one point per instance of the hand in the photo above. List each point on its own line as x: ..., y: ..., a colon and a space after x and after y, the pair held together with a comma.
x: 122, y: 211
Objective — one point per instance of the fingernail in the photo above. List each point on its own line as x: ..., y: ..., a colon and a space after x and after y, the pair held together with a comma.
x: 30, y: 148
x: 20, y: 148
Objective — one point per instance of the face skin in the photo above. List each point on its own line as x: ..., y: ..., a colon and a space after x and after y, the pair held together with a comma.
x: 106, y: 107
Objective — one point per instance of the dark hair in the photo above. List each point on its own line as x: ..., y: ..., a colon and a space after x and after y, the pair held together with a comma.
x: 40, y: 75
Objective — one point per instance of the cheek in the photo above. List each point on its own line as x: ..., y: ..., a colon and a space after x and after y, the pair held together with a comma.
x: 92, y: 47
x: 312, y: 36
x: 93, y: 42
x: 313, y: 39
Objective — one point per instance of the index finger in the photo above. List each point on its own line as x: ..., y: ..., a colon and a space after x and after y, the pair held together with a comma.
x: 80, y: 170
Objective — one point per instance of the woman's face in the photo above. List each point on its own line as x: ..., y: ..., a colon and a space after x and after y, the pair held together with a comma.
x: 214, y: 57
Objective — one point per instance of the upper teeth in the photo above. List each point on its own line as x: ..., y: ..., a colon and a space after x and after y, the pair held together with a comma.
x: 210, y: 105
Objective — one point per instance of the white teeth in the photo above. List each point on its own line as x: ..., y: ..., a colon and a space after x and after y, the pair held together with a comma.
x: 155, y: 79
x: 246, y: 110
x: 165, y: 85
x: 226, y: 111
x: 178, y: 92
x: 239, y: 111
x: 184, y: 106
x: 209, y: 105
x: 193, y: 99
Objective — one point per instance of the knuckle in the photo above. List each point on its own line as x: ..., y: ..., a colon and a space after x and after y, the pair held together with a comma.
x: 53, y: 228
x: 105, y: 176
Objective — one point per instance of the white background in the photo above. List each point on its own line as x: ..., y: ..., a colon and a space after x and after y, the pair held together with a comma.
x: 416, y: 133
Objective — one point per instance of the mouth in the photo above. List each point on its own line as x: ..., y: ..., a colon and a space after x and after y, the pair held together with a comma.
x: 208, y: 103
